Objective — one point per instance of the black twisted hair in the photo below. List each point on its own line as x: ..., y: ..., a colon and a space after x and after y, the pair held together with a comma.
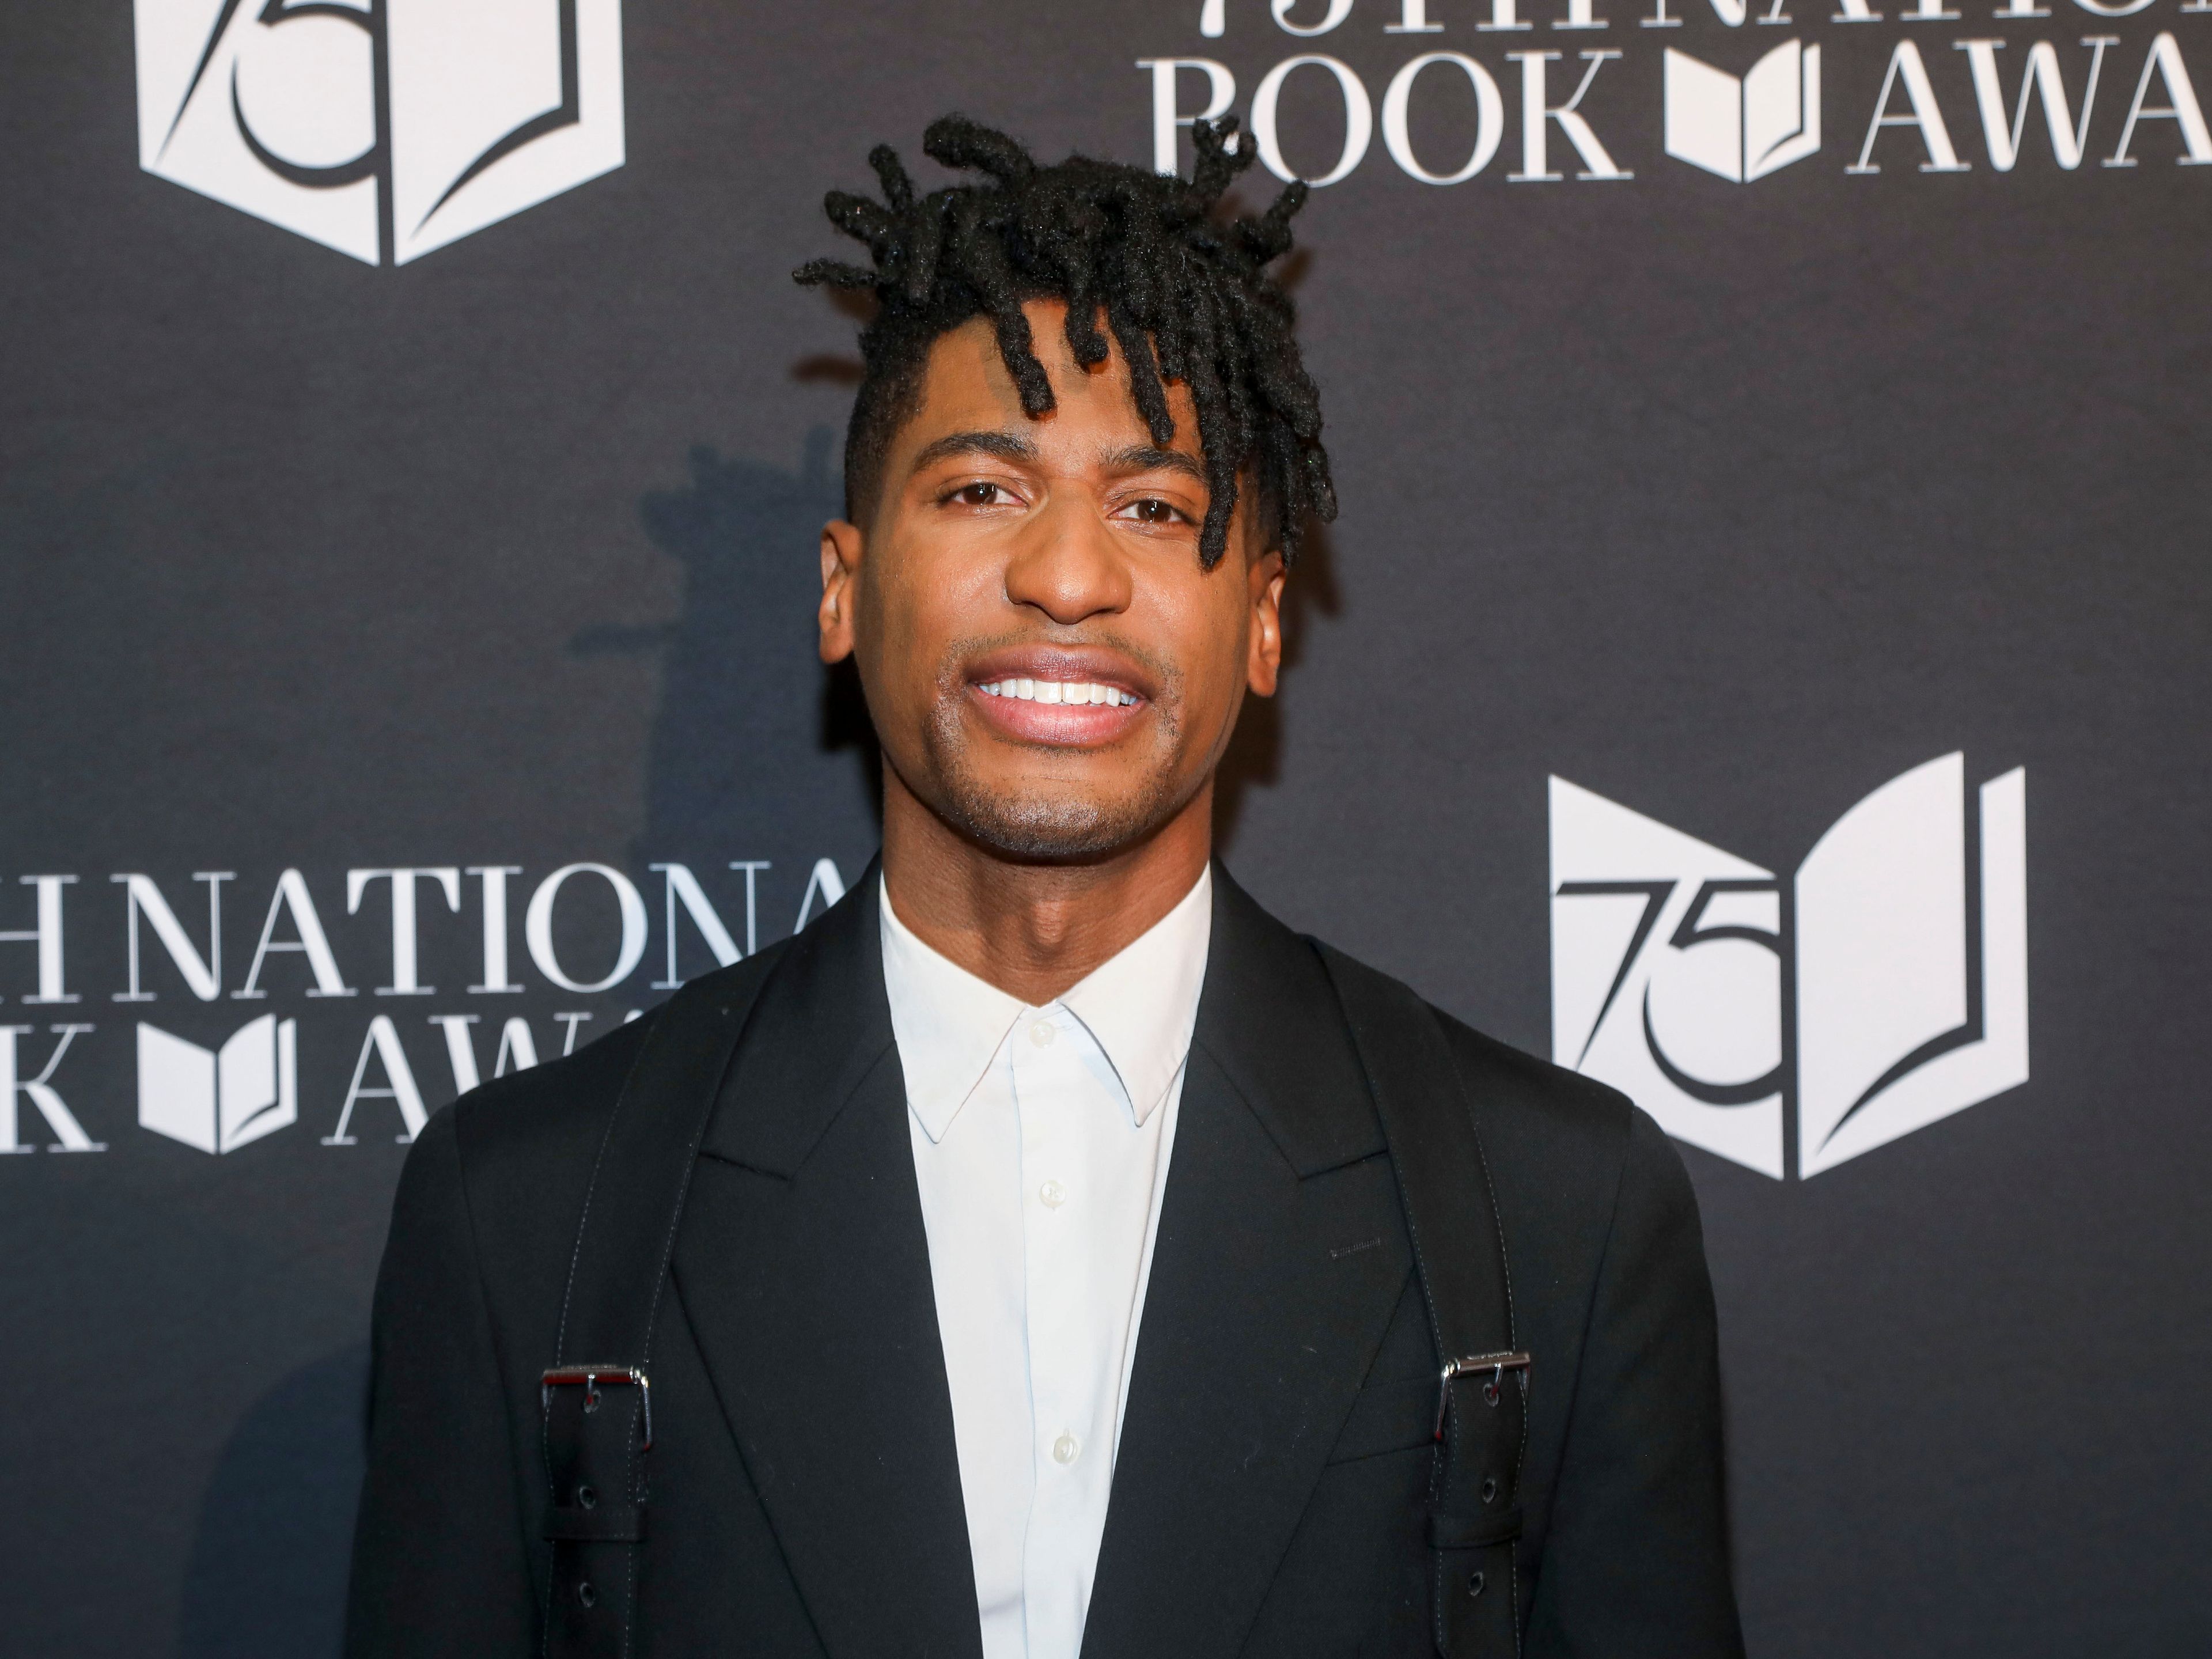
x: 1143, y: 247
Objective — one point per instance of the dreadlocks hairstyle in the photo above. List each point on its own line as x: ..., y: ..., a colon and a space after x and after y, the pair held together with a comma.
x: 1186, y: 294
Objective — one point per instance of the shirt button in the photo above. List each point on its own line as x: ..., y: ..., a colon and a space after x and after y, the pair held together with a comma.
x: 1065, y: 1449
x: 1042, y: 1033
x: 1054, y: 1195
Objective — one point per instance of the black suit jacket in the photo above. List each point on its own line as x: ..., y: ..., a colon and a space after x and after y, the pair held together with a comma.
x: 1276, y: 1453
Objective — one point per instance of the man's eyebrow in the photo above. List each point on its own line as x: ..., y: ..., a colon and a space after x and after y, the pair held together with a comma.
x: 1150, y: 458
x: 1006, y: 446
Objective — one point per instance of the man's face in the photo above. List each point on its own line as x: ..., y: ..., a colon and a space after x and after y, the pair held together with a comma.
x: 1048, y: 668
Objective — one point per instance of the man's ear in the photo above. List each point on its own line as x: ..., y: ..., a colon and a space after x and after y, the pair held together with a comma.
x: 843, y: 546
x: 1264, y: 659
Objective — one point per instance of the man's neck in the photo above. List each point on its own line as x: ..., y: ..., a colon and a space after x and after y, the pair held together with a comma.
x: 1034, y: 930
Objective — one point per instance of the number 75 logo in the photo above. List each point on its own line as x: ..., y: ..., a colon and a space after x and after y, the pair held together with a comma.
x: 1790, y: 1025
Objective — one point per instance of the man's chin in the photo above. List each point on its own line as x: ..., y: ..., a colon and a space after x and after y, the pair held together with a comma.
x: 1050, y: 829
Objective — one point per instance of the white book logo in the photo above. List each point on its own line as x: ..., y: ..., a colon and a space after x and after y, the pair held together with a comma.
x: 1883, y: 989
x: 220, y: 1102
x: 1744, y: 130
x: 382, y: 130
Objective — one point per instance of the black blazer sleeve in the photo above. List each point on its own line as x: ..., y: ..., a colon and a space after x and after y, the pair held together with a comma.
x: 441, y: 1564
x: 1637, y: 1559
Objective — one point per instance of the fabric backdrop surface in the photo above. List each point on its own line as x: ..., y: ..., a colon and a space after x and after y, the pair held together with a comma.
x: 1763, y: 660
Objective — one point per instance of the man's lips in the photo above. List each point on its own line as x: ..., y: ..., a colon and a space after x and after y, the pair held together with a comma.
x: 1071, y: 698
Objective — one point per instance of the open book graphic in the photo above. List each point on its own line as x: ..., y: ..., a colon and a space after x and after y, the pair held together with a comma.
x: 1885, y: 987
x: 220, y: 1102
x: 495, y: 105
x: 1744, y: 130
x: 306, y: 115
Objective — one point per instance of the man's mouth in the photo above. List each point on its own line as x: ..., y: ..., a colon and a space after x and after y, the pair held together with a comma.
x: 1066, y: 697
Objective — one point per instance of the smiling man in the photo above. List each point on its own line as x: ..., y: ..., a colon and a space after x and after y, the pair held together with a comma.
x: 1048, y: 1252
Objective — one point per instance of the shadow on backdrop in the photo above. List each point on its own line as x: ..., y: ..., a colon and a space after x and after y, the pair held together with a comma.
x: 267, y: 1573
x: 751, y: 739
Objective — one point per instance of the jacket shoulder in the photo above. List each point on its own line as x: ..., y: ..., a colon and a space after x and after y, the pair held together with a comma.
x: 1566, y: 1134
x: 554, y: 1113
x: 1536, y: 1098
x: 1558, y: 1145
x: 543, y: 1112
x: 1583, y: 1177
x: 524, y: 1146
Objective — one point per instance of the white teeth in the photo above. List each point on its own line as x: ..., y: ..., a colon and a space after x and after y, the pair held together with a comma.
x: 1059, y: 691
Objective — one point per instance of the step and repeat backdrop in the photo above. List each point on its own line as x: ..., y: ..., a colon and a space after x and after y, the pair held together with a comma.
x: 1765, y: 661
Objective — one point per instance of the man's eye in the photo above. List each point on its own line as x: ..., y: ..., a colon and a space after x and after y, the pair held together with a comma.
x: 980, y: 495
x: 1152, y: 510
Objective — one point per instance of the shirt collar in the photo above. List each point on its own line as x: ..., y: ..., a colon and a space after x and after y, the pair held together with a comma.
x: 1139, y: 1008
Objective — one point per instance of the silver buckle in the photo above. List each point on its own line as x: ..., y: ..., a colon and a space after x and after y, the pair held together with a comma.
x: 588, y: 1378
x: 1496, y: 1363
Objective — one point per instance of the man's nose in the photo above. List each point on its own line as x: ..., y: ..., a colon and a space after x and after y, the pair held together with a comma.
x: 1068, y: 566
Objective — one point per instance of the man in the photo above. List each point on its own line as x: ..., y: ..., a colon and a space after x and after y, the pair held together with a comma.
x: 1046, y: 1251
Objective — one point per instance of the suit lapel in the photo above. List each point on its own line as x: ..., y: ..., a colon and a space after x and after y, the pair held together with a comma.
x: 804, y: 1269
x: 1281, y: 1256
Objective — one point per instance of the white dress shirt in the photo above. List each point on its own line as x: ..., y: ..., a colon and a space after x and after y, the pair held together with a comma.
x: 1041, y: 1144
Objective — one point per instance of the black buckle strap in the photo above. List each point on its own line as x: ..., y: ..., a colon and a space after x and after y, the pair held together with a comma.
x: 1474, y: 1517
x: 589, y: 1519
x: 1496, y: 1363
x: 597, y: 1418
x: 591, y: 1379
x: 1458, y: 1251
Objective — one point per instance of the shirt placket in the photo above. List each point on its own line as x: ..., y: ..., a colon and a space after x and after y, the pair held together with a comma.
x: 1070, y: 1456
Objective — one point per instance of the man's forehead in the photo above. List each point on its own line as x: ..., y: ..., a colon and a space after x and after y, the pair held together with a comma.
x: 967, y: 387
